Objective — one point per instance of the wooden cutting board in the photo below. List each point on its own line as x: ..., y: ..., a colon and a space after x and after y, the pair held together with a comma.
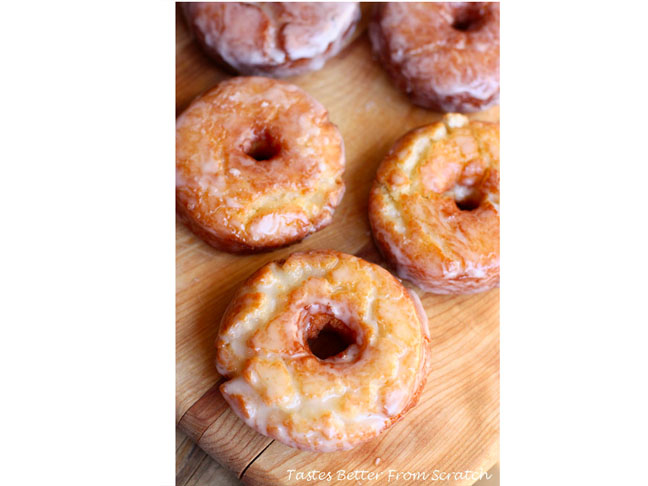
x: 455, y: 426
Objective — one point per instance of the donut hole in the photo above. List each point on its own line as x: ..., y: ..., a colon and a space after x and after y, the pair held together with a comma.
x: 467, y: 19
x: 467, y: 198
x: 262, y: 146
x: 328, y: 336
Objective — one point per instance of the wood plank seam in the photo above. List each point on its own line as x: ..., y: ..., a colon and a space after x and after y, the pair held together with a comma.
x: 255, y: 458
x: 200, y: 464
x: 180, y: 422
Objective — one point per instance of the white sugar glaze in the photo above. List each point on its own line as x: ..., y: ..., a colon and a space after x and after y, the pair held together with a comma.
x: 278, y: 387
x: 414, y: 206
x: 238, y: 203
x: 273, y: 39
x: 438, y: 66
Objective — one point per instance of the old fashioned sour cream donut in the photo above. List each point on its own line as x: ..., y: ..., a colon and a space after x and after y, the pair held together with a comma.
x: 258, y: 165
x: 272, y: 38
x: 434, y: 206
x: 443, y: 55
x: 322, y: 351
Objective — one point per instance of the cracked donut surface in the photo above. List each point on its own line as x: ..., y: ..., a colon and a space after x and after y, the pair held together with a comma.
x: 279, y: 387
x: 258, y: 165
x: 434, y: 206
x: 272, y: 38
x: 444, y: 56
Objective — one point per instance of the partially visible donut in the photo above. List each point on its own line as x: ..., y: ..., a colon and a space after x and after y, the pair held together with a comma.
x: 444, y: 56
x: 434, y: 206
x: 258, y: 165
x: 322, y: 351
x: 272, y: 39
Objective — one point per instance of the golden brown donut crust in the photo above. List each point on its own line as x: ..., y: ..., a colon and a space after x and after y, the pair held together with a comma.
x: 444, y: 56
x: 416, y: 201
x: 281, y: 389
x: 237, y: 203
x: 272, y: 38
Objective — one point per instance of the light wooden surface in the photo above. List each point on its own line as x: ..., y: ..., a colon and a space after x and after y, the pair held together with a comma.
x: 456, y: 424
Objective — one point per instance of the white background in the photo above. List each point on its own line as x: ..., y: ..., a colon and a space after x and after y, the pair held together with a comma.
x: 87, y: 247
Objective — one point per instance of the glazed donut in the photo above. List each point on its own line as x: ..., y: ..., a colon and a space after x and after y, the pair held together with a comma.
x: 434, y: 206
x: 272, y: 39
x: 444, y: 56
x: 258, y: 165
x: 322, y: 351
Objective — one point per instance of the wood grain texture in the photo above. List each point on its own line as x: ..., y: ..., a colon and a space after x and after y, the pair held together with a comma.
x: 195, y: 468
x: 456, y: 424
